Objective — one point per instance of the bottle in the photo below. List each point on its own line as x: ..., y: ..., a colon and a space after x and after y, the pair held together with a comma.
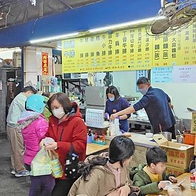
x: 108, y: 132
x: 192, y: 181
x: 89, y: 137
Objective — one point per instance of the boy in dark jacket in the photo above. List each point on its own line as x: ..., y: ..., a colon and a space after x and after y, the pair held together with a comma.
x: 149, y: 177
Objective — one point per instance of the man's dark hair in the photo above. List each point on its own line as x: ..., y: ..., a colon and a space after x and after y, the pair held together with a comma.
x: 46, y: 94
x: 63, y: 99
x: 143, y: 80
x: 155, y: 155
x: 29, y: 88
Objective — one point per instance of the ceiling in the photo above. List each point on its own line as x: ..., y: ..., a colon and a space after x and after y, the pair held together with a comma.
x: 20, y: 11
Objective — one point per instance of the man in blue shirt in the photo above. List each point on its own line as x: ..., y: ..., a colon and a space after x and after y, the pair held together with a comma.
x: 157, y: 105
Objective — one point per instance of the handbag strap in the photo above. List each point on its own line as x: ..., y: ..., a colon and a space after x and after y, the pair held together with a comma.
x: 71, y: 149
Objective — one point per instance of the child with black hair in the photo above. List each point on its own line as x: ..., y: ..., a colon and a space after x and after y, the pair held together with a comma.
x: 149, y: 177
x: 107, y: 175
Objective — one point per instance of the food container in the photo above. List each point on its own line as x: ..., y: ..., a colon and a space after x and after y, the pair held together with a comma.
x: 48, y: 140
x: 174, y: 191
x: 189, y: 138
x: 167, y: 135
x: 180, y: 138
x: 149, y: 133
x: 168, y: 184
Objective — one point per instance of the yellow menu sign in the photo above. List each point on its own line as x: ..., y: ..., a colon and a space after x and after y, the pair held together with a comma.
x: 121, y: 50
x: 130, y: 49
x: 175, y: 49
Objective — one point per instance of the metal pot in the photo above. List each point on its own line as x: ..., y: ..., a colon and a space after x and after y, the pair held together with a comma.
x: 167, y: 135
x: 180, y: 138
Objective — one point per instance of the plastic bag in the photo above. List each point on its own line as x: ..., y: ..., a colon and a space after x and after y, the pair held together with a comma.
x: 114, y: 128
x: 41, y: 164
x: 56, y: 167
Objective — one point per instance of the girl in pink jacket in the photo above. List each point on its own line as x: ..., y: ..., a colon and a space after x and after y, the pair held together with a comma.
x: 34, y: 127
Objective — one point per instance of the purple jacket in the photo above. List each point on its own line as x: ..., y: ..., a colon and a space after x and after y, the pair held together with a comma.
x: 34, y: 127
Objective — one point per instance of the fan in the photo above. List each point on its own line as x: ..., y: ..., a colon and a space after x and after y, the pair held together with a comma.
x: 173, y: 16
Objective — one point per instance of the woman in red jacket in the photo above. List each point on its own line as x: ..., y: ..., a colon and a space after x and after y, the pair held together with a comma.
x: 66, y: 127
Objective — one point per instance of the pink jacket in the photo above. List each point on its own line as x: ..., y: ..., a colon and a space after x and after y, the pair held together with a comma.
x: 34, y: 127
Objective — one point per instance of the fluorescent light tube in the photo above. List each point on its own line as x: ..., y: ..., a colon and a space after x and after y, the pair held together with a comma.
x: 96, y: 30
x: 53, y: 38
x: 126, y: 24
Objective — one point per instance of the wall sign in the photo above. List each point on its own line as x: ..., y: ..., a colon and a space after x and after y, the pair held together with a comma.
x: 182, y: 74
x: 121, y: 50
x: 45, y: 65
x: 131, y: 49
x: 162, y: 74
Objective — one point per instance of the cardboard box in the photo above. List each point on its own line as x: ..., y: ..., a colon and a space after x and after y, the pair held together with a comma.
x: 175, y: 170
x: 178, y: 155
x: 193, y: 122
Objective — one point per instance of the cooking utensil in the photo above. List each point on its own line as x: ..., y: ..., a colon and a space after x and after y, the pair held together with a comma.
x: 179, y: 132
x: 160, y: 128
x: 180, y: 183
x: 180, y: 139
x: 167, y: 135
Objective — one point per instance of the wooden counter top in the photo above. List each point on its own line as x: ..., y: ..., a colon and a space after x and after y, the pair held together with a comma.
x: 186, y: 186
x: 95, y: 148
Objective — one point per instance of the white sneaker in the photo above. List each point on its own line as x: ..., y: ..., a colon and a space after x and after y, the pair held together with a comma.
x: 13, y: 171
x: 22, y: 174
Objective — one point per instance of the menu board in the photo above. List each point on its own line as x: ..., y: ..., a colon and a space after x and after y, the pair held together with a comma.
x: 175, y: 49
x: 118, y: 51
x: 131, y: 49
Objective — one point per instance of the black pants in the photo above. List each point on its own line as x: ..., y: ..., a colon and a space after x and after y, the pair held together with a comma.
x: 62, y: 187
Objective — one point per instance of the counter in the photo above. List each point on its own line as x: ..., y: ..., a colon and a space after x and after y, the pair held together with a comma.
x: 139, y: 140
x: 139, y: 122
x: 186, y: 186
x: 141, y: 144
x: 95, y: 149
